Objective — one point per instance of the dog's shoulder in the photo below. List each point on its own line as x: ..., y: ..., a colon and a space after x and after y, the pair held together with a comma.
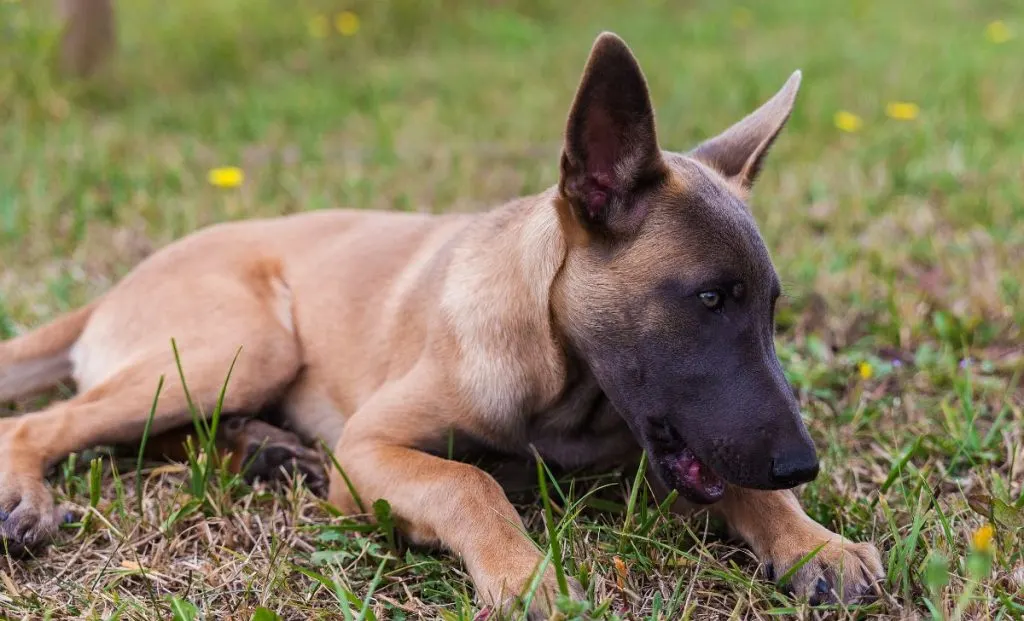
x: 495, y: 307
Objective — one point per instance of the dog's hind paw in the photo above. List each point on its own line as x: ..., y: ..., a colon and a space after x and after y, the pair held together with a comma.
x: 271, y: 454
x: 841, y: 572
x: 28, y: 517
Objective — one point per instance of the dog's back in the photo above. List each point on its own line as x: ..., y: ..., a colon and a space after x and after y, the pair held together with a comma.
x: 255, y: 259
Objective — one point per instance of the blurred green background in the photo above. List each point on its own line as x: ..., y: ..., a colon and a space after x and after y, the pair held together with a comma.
x: 450, y: 104
x: 893, y: 203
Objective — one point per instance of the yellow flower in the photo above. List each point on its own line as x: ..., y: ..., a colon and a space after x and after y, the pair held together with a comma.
x: 902, y: 110
x: 998, y: 32
x: 318, y: 26
x: 847, y: 121
x: 226, y: 177
x: 347, y: 23
x: 982, y: 538
x: 865, y: 370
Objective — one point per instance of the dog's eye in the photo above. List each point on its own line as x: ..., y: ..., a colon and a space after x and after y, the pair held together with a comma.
x: 713, y: 300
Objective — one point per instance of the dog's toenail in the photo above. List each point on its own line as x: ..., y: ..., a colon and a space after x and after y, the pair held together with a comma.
x: 769, y: 570
x: 822, y: 587
x: 4, y: 515
x: 69, y: 518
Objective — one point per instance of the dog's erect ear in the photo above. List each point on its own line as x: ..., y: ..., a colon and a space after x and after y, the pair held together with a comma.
x: 739, y: 151
x: 610, y: 144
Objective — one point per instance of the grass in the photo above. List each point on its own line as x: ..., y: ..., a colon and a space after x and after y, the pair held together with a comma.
x: 901, y: 246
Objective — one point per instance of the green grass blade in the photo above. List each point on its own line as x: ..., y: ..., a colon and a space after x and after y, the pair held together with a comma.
x: 142, y: 444
x: 553, y: 538
x: 786, y: 577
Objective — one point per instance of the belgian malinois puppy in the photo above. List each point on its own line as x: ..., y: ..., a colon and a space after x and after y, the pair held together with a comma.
x: 629, y: 308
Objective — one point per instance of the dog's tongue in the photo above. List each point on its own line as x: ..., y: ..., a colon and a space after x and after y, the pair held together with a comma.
x: 702, y: 482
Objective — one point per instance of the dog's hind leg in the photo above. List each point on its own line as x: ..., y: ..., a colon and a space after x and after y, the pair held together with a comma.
x: 116, y: 410
x: 40, y: 359
x: 251, y: 447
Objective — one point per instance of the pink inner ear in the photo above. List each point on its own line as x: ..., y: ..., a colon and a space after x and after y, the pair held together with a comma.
x: 602, y: 146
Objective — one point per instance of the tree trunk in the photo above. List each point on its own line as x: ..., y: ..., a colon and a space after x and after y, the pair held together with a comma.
x: 88, y: 37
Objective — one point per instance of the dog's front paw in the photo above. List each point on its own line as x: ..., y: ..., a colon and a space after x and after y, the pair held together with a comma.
x: 507, y: 591
x: 28, y: 518
x: 840, y: 572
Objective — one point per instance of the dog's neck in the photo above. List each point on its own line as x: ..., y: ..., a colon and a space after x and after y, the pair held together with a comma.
x: 497, y: 298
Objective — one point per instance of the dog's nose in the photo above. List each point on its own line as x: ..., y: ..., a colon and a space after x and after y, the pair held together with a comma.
x: 794, y: 467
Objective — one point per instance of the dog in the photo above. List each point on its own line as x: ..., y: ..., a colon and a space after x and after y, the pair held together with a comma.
x: 629, y: 308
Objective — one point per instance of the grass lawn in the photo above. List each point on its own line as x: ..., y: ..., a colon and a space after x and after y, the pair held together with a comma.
x: 900, y: 242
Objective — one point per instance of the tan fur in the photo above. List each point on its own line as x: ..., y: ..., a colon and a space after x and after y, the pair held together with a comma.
x: 788, y: 535
x: 35, y: 362
x: 751, y: 137
x: 381, y: 335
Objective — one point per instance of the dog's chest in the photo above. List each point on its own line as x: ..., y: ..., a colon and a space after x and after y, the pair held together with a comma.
x: 581, y: 429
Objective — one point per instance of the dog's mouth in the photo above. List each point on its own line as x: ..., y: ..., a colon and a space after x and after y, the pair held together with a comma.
x: 681, y: 469
x: 693, y: 479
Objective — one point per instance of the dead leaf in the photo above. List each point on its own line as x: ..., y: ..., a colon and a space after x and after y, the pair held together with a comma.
x: 9, y: 584
x: 996, y: 510
x: 621, y: 572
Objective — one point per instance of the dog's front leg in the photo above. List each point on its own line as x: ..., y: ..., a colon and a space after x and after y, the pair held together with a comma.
x: 776, y: 528
x: 439, y: 502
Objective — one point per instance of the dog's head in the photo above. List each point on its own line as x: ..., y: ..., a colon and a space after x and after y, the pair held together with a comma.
x: 668, y: 292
